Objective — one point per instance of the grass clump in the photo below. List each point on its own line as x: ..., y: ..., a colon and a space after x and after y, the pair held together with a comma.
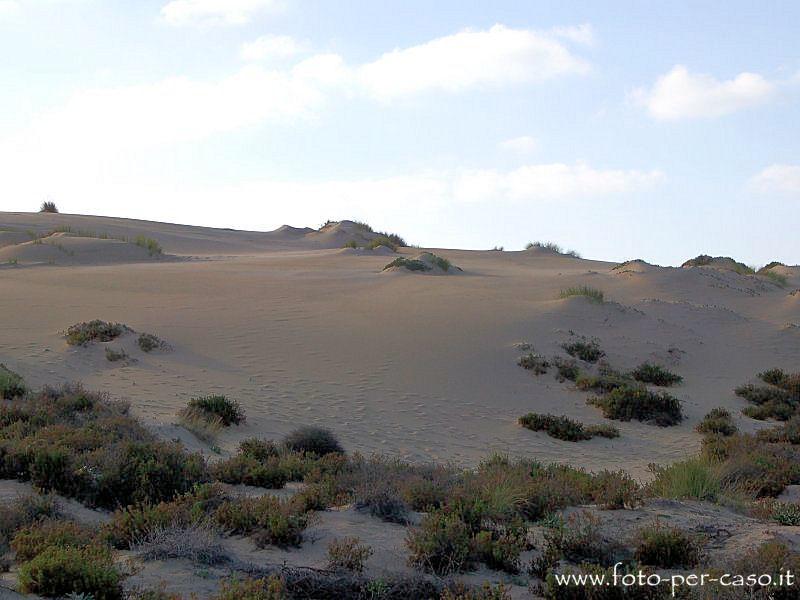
x: 551, y: 247
x: 695, y: 478
x: 48, y: 207
x: 152, y: 246
x: 534, y: 362
x: 442, y: 544
x: 382, y: 240
x: 666, y: 547
x: 61, y: 571
x: 591, y: 293
x: 626, y: 403
x: 411, y: 264
x: 779, y: 399
x: 217, y: 408
x: 83, y: 334
x: 12, y: 385
x: 655, y: 374
x: 350, y: 244
x: 148, y: 342
x: 564, y: 428
x: 718, y: 421
x: 268, y: 520
x: 348, y: 554
x: 567, y: 369
x: 584, y: 349
x: 606, y: 380
x: 313, y: 440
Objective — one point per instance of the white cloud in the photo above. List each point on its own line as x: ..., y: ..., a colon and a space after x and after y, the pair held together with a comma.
x: 777, y: 179
x: 683, y: 95
x: 523, y: 144
x: 272, y: 47
x: 580, y: 34
x: 470, y: 59
x: 214, y: 12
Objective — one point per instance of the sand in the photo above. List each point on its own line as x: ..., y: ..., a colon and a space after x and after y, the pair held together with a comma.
x: 300, y: 332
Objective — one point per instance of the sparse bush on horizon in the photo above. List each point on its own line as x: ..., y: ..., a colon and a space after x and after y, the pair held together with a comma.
x: 551, y: 247
x: 48, y: 207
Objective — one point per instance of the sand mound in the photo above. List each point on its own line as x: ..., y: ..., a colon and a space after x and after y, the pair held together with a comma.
x: 336, y: 234
x: 61, y: 248
x: 425, y: 262
x: 294, y: 231
x: 635, y: 266
x: 721, y: 263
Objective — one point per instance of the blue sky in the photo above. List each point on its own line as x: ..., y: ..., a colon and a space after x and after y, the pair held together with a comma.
x: 620, y: 129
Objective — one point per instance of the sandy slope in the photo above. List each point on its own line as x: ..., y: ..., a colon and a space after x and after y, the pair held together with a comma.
x: 300, y: 332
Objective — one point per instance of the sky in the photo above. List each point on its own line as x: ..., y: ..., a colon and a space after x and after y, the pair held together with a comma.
x: 620, y: 129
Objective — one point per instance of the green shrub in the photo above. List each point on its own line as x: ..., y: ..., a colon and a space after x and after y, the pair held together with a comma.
x: 22, y: 512
x: 218, y: 407
x: 82, y: 334
x: 499, y: 549
x: 411, y: 264
x: 578, y: 540
x: 48, y: 207
x: 348, y: 554
x: 268, y: 520
x: 586, y: 350
x: 149, y: 244
x: 351, y: 244
x: 655, y: 374
x: 148, y: 342
x: 11, y: 384
x: 717, y: 421
x: 626, y: 403
x: 564, y: 428
x: 442, y: 544
x: 314, y: 440
x: 30, y: 541
x: 269, y: 588
x: 551, y: 247
x: 382, y: 241
x: 666, y: 547
x: 534, y: 362
x: 59, y: 571
x: 441, y: 262
x: 695, y: 478
x: 614, y: 490
x: 241, y: 469
x: 591, y: 293
x: 567, y: 369
x: 777, y: 278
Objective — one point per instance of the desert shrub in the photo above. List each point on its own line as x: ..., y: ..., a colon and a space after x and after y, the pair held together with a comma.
x: 591, y: 293
x: 534, y: 362
x: 197, y: 542
x: 442, y: 544
x: 269, y: 588
x: 268, y: 520
x: 613, y: 490
x: 704, y: 259
x: 412, y: 264
x: 350, y: 244
x: 149, y: 244
x: 48, y: 207
x: 268, y: 473
x: 23, y: 512
x: 564, y: 428
x: 718, y: 421
x: 774, y: 558
x: 82, y: 334
x: 655, y: 374
x: 314, y: 440
x: 148, y: 342
x: 499, y: 548
x: 783, y: 513
x: 584, y: 349
x: 778, y: 279
x: 60, y: 571
x: 626, y: 403
x: 30, y: 541
x: 115, y: 355
x: 551, y: 247
x: 567, y: 369
x: 382, y: 240
x: 604, y: 382
x: 11, y: 384
x: 761, y: 394
x: 441, y: 262
x: 578, y: 540
x: 786, y: 433
x: 666, y: 547
x: 217, y: 407
x: 348, y: 554
x: 695, y: 478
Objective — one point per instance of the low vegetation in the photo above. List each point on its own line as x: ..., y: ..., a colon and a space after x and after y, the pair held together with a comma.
x: 586, y: 291
x: 348, y: 554
x: 587, y: 350
x: 534, y: 362
x: 148, y: 342
x: 779, y: 399
x: 718, y: 421
x: 704, y: 260
x: 313, y: 440
x: 12, y: 384
x: 88, y: 332
x: 411, y: 264
x: 218, y: 407
x: 564, y: 428
x: 627, y: 403
x: 655, y: 375
x: 48, y: 207
x: 551, y: 247
x: 152, y: 246
x: 115, y: 355
x: 667, y: 547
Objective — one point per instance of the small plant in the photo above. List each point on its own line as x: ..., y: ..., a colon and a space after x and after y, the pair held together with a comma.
x: 666, y: 547
x: 564, y: 428
x: 694, y: 478
x: 30, y: 541
x: 314, y: 440
x: 11, y: 384
x: 115, y: 355
x: 148, y: 342
x: 411, y: 264
x: 783, y: 513
x: 718, y: 421
x: 348, y: 554
x: 551, y: 247
x: 591, y: 293
x: 196, y: 542
x: 626, y: 403
x: 567, y: 369
x: 48, y: 207
x: 382, y: 241
x: 351, y: 244
x: 655, y: 374
x: 442, y: 544
x: 268, y: 520
x: 152, y: 246
x: 534, y: 362
x: 57, y: 572
x: 441, y: 262
x: 217, y: 407
x: 83, y: 334
x: 586, y: 350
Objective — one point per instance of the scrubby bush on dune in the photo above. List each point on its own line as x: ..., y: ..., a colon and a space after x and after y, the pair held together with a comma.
x: 314, y: 440
x: 627, y: 403
x: 703, y: 260
x: 48, y: 207
x: 197, y: 542
x: 261, y: 463
x: 348, y: 554
x: 606, y: 380
x: 32, y: 540
x: 534, y: 362
x: 23, y: 512
x: 268, y: 520
x: 576, y: 539
x: 779, y: 399
x: 565, y: 428
x: 12, y: 384
x: 551, y: 247
x: 666, y: 547
x: 350, y: 244
x: 655, y: 374
x: 777, y: 278
x: 591, y: 293
x: 584, y: 349
x: 57, y: 572
x: 695, y: 478
x: 408, y: 263
x: 148, y: 342
x: 83, y: 334
x: 115, y: 355
x: 442, y: 544
x: 567, y: 369
x: 152, y: 246
x: 217, y: 407
x: 718, y: 421
x: 783, y: 513
x: 381, y: 240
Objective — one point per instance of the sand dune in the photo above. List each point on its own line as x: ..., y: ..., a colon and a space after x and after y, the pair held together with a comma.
x: 421, y: 367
